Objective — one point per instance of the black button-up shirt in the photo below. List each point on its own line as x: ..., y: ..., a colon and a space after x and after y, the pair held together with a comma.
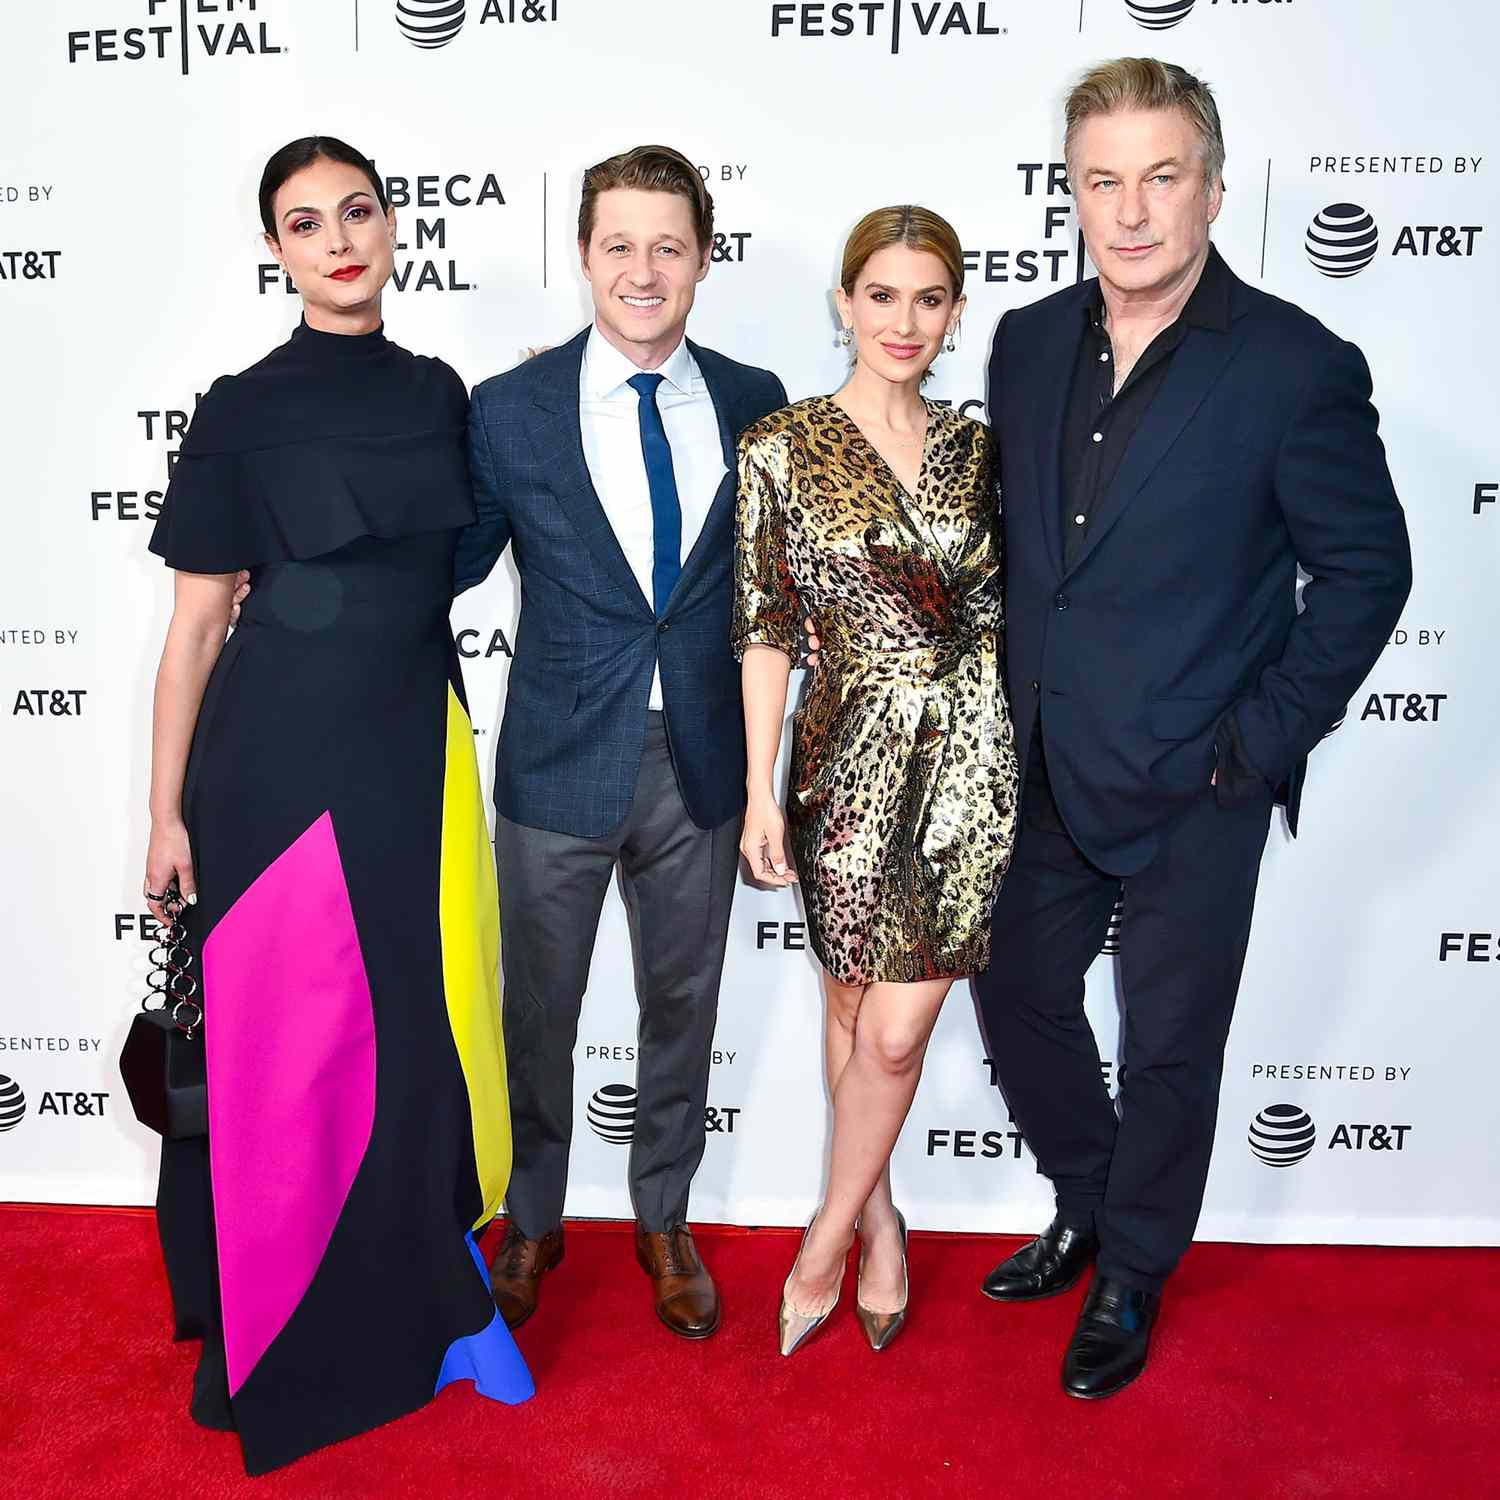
x: 1098, y: 423
x: 1097, y: 428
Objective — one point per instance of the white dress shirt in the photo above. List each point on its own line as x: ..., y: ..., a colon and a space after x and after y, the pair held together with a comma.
x: 609, y: 413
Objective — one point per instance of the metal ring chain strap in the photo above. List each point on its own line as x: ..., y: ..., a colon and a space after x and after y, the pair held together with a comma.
x: 171, y: 986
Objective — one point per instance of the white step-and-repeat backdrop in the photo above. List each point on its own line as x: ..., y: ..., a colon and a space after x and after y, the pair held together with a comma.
x: 132, y: 273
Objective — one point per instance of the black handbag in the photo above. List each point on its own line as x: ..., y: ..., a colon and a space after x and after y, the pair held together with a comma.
x: 162, y: 1061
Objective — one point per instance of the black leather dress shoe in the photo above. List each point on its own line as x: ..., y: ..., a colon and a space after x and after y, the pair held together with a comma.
x: 1050, y: 1264
x: 1111, y: 1341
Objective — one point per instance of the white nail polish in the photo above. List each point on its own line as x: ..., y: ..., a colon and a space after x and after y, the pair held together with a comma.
x: 192, y: 900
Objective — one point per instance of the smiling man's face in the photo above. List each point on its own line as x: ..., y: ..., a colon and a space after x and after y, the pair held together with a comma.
x: 643, y: 264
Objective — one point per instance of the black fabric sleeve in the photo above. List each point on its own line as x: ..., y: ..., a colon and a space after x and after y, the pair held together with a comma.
x: 224, y: 511
x: 1349, y: 533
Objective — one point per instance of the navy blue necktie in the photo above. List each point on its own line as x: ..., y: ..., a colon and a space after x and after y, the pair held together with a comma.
x: 666, y: 512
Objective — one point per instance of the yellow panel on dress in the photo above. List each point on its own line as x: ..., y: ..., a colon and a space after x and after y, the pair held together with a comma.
x: 469, y: 919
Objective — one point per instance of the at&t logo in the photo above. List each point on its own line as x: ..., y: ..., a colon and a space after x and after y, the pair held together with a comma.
x: 1343, y: 239
x: 1116, y: 922
x: 430, y: 23
x: 71, y: 1103
x: 1282, y: 1135
x: 12, y: 1104
x: 612, y: 1113
x: 49, y: 703
x: 1163, y: 15
x: 1160, y: 16
x: 29, y: 265
x: 1406, y: 708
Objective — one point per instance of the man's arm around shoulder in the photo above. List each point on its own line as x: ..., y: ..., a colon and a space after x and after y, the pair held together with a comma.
x: 480, y: 545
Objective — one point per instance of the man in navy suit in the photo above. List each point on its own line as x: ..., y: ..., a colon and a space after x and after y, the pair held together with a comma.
x: 1174, y: 444
x: 608, y: 464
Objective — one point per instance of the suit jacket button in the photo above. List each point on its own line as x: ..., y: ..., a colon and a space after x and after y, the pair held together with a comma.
x: 663, y: 626
x: 1061, y: 601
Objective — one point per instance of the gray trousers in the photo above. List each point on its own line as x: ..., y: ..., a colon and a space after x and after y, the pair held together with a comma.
x: 678, y: 882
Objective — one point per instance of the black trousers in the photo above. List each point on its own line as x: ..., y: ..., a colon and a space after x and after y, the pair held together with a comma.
x: 1138, y: 1176
x: 678, y: 883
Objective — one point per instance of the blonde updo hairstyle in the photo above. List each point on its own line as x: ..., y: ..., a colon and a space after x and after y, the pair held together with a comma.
x: 902, y: 224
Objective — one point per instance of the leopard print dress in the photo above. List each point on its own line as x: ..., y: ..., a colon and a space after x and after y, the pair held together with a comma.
x: 901, y: 804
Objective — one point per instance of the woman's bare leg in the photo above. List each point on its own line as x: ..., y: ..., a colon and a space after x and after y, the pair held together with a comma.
x: 877, y: 1219
x: 871, y: 1099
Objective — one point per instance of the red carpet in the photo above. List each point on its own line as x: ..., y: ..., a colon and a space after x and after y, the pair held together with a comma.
x: 1297, y: 1372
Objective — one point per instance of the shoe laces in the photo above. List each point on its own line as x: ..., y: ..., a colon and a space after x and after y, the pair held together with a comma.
x: 673, y: 1260
x: 513, y: 1252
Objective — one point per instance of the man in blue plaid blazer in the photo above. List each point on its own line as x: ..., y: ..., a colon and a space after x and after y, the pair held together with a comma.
x: 608, y: 464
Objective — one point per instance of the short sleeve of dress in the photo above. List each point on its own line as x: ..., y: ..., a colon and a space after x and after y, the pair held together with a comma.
x: 767, y: 611
x: 204, y: 516
x: 257, y: 484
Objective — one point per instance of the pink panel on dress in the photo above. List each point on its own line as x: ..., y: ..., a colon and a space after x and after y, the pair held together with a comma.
x: 290, y: 1039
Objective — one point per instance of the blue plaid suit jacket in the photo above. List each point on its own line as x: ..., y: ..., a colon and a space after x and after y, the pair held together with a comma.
x: 588, y: 639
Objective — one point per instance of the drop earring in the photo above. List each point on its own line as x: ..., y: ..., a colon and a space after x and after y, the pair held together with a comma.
x: 846, y: 336
x: 952, y: 343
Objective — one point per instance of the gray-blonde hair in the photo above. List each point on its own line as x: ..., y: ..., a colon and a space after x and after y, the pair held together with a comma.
x: 1147, y: 83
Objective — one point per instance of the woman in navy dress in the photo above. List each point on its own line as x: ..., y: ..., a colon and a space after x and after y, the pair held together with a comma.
x: 315, y: 796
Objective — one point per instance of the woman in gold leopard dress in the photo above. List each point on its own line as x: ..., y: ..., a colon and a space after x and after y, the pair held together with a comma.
x: 876, y: 512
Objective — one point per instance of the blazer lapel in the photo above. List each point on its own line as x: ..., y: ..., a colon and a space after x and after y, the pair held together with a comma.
x: 1190, y: 376
x: 558, y: 434
x: 1052, y: 373
x: 712, y: 537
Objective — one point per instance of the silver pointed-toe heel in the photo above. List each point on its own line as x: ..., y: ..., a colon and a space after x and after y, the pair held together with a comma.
x: 796, y: 1328
x: 881, y: 1327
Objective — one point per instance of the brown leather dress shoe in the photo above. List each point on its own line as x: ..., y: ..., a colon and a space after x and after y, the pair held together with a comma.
x: 687, y: 1300
x: 518, y: 1271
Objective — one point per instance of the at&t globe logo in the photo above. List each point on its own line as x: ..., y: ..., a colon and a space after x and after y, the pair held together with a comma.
x: 1159, y: 15
x: 1282, y: 1134
x: 612, y: 1113
x: 1116, y: 922
x: 430, y: 23
x: 1342, y: 240
x: 12, y: 1104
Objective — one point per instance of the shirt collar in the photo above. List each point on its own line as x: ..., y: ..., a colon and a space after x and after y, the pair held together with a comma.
x: 1206, y: 307
x: 605, y: 369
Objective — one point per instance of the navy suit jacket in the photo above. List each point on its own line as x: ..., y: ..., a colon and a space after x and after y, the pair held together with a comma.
x: 1177, y: 628
x: 588, y: 640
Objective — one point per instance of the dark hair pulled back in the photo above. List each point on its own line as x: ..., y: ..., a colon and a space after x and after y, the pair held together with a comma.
x: 304, y: 152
